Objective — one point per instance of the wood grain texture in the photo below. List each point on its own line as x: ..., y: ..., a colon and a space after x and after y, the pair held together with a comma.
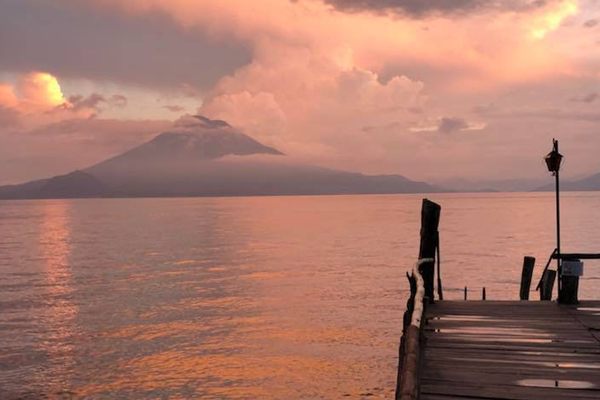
x: 511, y: 350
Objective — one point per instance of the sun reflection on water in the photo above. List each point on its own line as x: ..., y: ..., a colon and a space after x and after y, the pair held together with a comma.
x: 58, y: 329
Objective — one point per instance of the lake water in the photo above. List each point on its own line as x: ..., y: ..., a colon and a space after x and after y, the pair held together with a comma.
x: 258, y: 298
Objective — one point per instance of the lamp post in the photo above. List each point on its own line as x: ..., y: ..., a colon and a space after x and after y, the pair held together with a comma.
x: 553, y: 160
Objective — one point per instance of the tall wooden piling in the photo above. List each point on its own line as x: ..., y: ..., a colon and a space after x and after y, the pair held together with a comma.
x: 526, y: 274
x: 430, y: 219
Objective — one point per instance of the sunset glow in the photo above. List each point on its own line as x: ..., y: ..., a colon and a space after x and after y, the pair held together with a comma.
x: 225, y: 199
x: 551, y: 20
x: 354, y: 85
x: 41, y: 88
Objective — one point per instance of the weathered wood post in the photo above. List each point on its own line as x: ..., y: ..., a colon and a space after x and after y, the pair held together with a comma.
x: 526, y: 274
x: 407, y: 384
x: 547, y: 284
x: 568, y: 290
x: 430, y: 219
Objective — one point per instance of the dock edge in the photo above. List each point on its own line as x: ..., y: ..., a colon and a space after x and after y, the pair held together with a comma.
x: 407, y: 387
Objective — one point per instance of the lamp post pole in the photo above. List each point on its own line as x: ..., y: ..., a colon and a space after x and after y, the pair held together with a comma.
x: 568, y: 284
x: 558, y: 266
x: 553, y: 161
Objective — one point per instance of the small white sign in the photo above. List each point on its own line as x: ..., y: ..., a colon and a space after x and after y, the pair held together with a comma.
x: 572, y: 268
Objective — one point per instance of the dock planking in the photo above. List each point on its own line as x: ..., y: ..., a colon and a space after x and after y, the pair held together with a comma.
x: 510, y: 350
x: 495, y: 350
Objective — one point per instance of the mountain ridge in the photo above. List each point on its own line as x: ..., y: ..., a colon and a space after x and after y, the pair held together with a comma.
x: 204, y: 157
x: 588, y: 184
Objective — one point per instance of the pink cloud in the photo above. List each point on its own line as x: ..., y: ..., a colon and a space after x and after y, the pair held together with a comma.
x: 341, y: 88
x: 36, y: 98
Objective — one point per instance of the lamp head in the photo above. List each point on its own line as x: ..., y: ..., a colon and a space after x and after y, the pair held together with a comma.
x: 554, y: 158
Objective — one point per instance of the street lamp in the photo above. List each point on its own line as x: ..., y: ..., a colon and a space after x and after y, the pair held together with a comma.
x: 553, y: 160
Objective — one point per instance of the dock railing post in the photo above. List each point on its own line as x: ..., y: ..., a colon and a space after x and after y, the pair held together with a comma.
x: 526, y: 274
x: 407, y: 383
x: 430, y: 219
x: 547, y: 284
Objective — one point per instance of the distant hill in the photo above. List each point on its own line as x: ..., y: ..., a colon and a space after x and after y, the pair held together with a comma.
x: 492, y: 186
x: 591, y: 183
x: 75, y: 184
x: 204, y: 157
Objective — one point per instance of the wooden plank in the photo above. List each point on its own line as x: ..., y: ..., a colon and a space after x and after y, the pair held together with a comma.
x: 511, y: 350
x: 445, y: 397
x: 506, y: 392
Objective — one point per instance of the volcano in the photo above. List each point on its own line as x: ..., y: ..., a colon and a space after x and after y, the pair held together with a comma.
x: 204, y: 157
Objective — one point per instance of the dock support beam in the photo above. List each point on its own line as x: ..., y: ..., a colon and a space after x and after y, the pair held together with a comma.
x: 430, y: 219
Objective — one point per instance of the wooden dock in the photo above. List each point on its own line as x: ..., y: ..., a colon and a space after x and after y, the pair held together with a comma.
x: 495, y: 350
x: 510, y: 350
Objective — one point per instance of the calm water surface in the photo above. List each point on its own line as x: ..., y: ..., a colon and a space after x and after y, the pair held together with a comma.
x: 227, y: 298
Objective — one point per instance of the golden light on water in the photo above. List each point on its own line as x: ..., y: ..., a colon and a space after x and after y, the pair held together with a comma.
x: 60, y: 315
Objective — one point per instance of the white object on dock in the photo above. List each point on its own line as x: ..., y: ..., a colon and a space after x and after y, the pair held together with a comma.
x: 572, y: 268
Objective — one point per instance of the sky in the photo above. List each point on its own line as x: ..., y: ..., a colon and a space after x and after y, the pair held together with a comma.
x: 435, y: 90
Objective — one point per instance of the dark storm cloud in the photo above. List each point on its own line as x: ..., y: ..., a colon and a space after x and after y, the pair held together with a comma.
x: 95, y: 101
x: 425, y: 7
x: 174, y: 108
x: 451, y: 125
x: 72, y: 40
x: 92, y: 101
